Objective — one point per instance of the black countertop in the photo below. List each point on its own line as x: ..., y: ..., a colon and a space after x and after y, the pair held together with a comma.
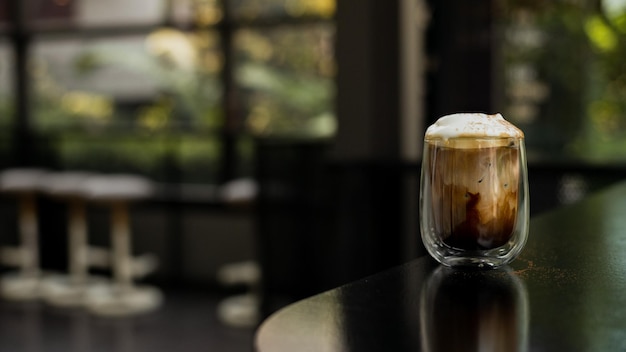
x: 566, y: 292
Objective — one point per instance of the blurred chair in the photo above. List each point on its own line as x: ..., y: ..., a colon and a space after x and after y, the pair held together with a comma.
x: 72, y: 289
x: 240, y: 310
x: 25, y: 283
x: 237, y: 192
x: 123, y: 296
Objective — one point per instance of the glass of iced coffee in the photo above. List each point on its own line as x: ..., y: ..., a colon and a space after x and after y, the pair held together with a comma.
x: 474, y: 191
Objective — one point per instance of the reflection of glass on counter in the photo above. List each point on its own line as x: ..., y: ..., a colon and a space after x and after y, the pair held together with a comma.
x: 474, y: 311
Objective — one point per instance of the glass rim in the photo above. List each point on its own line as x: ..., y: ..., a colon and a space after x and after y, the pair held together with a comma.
x: 470, y: 137
x: 466, y: 142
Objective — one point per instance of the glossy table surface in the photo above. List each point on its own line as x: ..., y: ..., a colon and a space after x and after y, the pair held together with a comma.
x: 566, y: 292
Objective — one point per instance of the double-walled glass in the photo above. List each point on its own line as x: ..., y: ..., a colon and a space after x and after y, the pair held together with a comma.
x: 474, y: 200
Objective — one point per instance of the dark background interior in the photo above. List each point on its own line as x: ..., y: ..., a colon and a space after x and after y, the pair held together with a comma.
x: 325, y: 214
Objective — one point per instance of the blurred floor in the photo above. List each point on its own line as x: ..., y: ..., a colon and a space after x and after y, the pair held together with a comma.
x: 187, y: 322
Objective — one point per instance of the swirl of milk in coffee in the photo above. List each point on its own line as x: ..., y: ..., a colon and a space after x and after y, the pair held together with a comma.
x: 473, y: 167
x: 473, y: 125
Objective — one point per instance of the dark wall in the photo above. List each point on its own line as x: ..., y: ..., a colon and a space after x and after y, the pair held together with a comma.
x: 461, y: 63
x: 368, y: 80
x: 323, y: 223
x: 331, y: 211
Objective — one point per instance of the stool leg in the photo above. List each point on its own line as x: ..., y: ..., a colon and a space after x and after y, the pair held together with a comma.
x: 25, y: 283
x: 29, y: 236
x: 77, y: 242
x: 124, y: 297
x: 77, y: 286
x: 122, y: 267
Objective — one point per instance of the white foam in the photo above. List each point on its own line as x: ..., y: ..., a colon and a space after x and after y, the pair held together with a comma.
x: 473, y: 125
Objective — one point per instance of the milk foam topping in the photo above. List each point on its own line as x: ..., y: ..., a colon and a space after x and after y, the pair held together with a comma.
x: 473, y: 125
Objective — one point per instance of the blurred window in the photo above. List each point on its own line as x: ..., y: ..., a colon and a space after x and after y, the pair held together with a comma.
x: 157, y: 103
x: 564, y: 76
x: 286, y: 80
x: 176, y: 89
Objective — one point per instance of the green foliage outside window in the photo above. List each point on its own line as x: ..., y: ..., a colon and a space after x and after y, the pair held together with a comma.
x: 155, y: 103
x: 565, y: 79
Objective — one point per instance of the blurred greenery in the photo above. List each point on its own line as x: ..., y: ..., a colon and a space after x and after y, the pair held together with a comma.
x: 283, y: 86
x: 578, y: 55
x: 253, y: 9
x: 564, y: 84
x: 287, y: 75
x: 606, y: 130
x: 179, y: 123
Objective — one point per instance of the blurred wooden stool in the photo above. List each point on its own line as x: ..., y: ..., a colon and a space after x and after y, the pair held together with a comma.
x: 24, y: 284
x: 123, y: 296
x: 71, y: 289
x: 241, y: 310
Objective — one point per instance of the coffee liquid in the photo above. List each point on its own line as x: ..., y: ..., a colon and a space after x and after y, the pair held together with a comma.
x: 474, y: 194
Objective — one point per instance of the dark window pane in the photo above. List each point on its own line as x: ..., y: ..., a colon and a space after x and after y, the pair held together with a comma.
x: 4, y: 13
x: 285, y: 75
x: 49, y: 10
